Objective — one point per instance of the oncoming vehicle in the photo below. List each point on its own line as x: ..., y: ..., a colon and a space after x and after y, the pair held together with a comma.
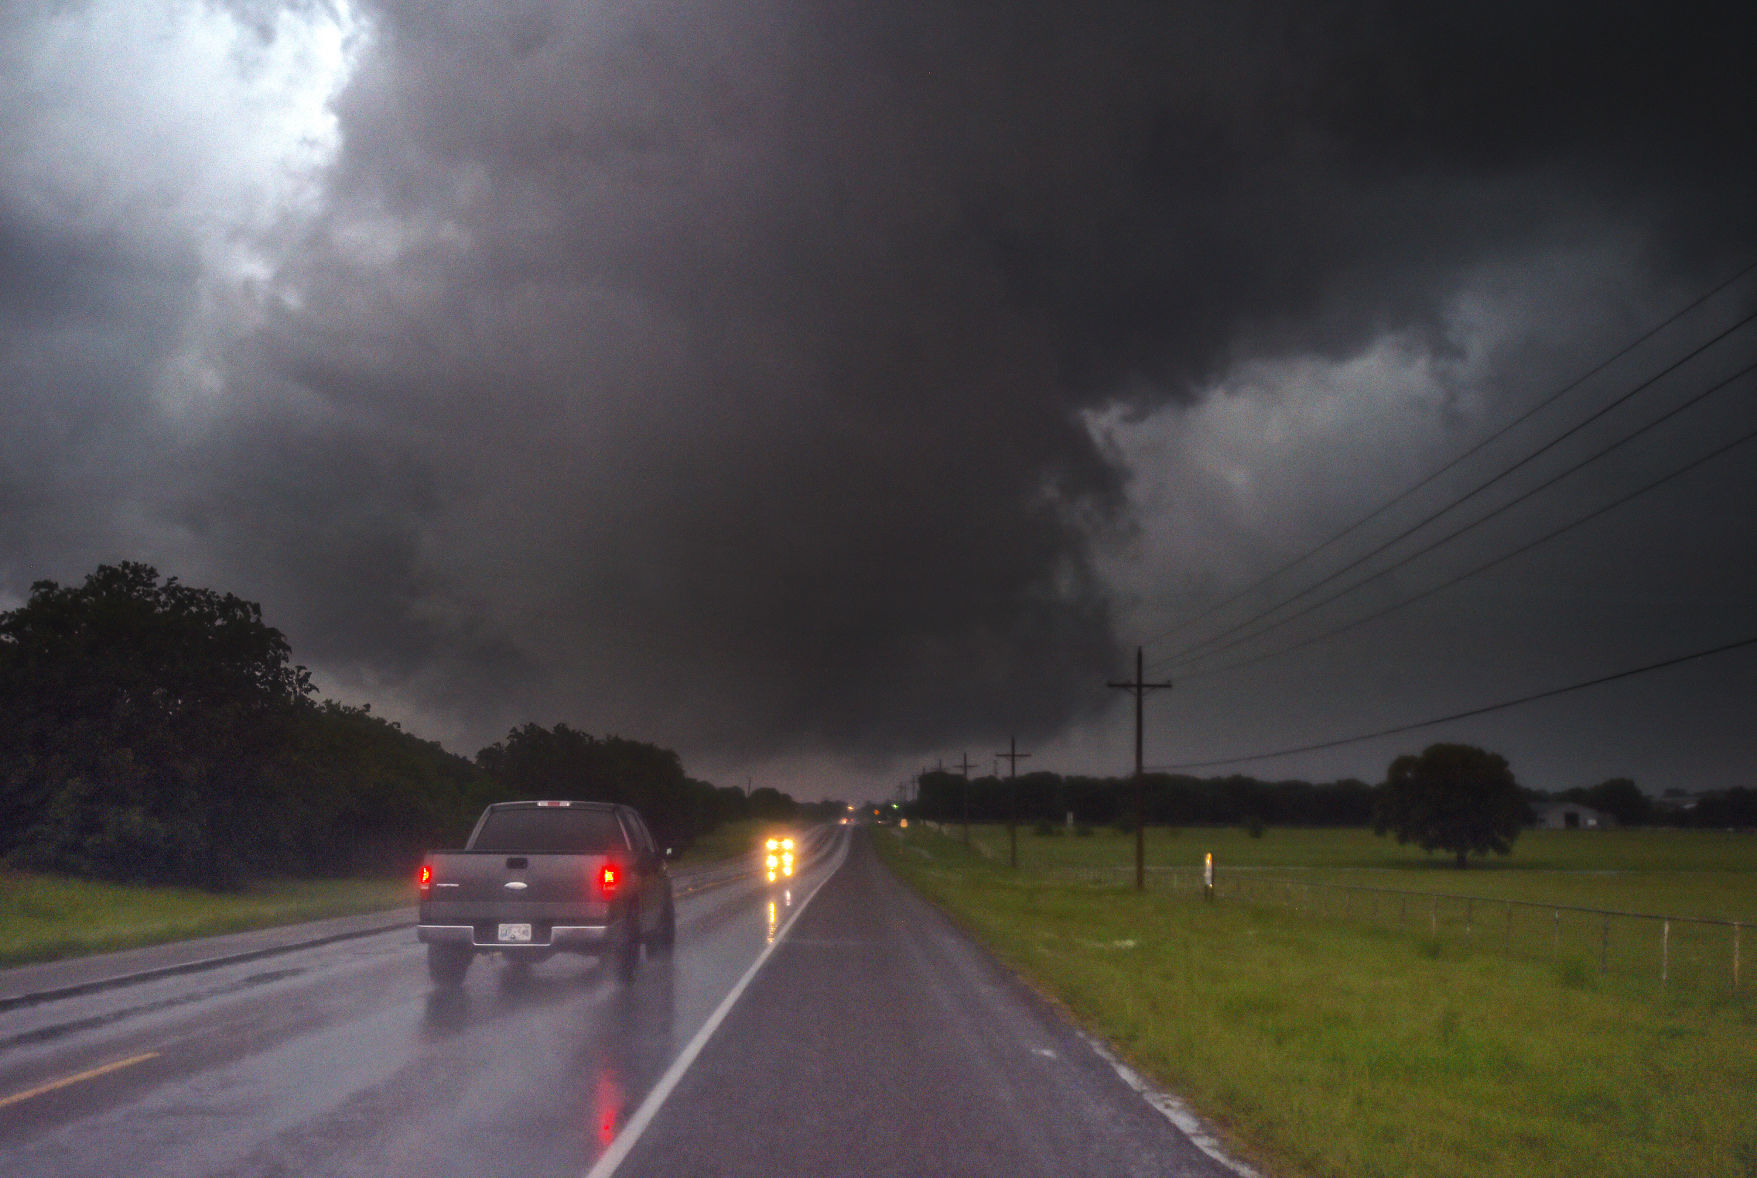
x: 778, y: 858
x: 538, y: 878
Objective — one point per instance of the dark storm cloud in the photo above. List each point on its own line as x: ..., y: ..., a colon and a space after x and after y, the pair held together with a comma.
x: 713, y: 372
x: 84, y: 324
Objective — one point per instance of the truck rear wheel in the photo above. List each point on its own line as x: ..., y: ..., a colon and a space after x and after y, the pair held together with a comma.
x: 628, y: 953
x: 665, y: 936
x: 447, y: 964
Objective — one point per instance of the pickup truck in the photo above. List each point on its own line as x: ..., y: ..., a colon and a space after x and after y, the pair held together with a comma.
x: 538, y: 878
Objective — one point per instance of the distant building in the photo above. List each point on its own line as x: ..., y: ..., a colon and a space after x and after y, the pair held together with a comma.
x: 1571, y: 816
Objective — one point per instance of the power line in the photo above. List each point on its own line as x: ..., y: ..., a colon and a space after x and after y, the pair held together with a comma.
x: 1190, y: 651
x: 1479, y: 446
x: 1472, y: 525
x: 1481, y: 568
x: 1482, y: 711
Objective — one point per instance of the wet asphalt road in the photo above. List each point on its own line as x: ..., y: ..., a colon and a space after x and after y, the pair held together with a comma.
x: 872, y: 1039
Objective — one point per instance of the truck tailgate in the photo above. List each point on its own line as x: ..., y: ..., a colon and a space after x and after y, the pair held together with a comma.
x: 467, y: 886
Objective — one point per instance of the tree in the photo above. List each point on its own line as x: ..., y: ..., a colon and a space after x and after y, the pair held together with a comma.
x: 363, y: 795
x: 770, y: 804
x: 1619, y: 797
x: 1736, y: 807
x: 1453, y: 797
x: 538, y: 762
x: 144, y: 723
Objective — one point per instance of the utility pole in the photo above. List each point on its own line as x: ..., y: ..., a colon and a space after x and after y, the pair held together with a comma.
x: 965, y: 767
x: 1013, y: 756
x: 1140, y: 688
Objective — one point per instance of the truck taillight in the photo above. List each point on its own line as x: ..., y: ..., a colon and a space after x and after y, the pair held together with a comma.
x: 425, y: 877
x: 607, y: 879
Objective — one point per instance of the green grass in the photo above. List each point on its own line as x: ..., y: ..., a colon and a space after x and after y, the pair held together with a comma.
x: 46, y: 917
x: 1665, y: 872
x: 1329, y: 1045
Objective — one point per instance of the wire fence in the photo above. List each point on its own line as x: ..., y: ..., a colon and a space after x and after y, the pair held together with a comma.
x: 1683, y: 954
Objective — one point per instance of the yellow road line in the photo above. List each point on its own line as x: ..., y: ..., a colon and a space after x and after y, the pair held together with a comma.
x: 88, y: 1074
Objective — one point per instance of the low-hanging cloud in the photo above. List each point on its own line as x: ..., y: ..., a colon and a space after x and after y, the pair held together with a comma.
x: 719, y: 373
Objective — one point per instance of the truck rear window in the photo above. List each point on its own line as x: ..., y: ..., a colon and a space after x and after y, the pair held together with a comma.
x: 585, y: 832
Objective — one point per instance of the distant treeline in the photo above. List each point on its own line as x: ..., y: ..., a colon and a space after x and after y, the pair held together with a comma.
x: 153, y: 731
x: 1623, y: 800
x: 1170, y: 800
x: 1237, y: 800
x: 1735, y: 807
x: 535, y: 762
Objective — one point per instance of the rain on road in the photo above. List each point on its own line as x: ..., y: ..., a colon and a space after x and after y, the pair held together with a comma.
x: 853, y: 1031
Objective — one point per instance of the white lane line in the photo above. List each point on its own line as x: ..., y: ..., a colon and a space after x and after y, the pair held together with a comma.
x: 630, y: 1136
x: 78, y: 1077
x: 1173, y: 1110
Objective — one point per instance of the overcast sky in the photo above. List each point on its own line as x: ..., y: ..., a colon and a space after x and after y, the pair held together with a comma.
x: 826, y: 389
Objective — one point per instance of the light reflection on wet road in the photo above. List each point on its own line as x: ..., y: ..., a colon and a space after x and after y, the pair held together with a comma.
x: 833, y: 1025
x: 343, y: 1059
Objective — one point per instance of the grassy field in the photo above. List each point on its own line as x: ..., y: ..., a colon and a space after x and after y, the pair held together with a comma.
x: 1327, y: 1044
x: 724, y: 841
x: 44, y: 917
x: 1665, y: 872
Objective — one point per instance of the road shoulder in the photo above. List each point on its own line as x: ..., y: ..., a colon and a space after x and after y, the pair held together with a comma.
x: 48, y: 981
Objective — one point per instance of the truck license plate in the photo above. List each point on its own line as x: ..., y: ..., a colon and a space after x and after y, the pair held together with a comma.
x: 515, y: 932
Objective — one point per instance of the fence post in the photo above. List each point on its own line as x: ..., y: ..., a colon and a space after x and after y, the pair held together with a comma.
x: 1314, y: 900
